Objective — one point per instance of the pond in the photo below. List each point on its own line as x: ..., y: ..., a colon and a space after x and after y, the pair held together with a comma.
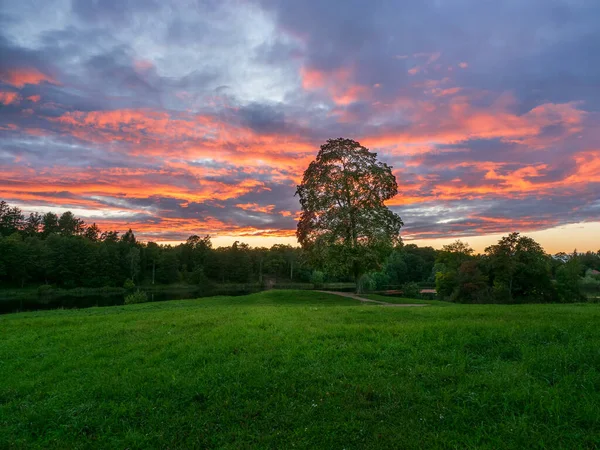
x: 45, y: 302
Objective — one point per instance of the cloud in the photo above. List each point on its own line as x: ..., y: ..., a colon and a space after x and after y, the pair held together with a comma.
x: 7, y: 98
x: 178, y: 118
x: 21, y: 77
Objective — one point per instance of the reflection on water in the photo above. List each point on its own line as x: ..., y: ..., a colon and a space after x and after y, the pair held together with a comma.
x: 69, y: 301
x: 80, y: 299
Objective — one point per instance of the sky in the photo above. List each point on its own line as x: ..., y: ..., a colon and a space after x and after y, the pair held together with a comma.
x: 199, y: 117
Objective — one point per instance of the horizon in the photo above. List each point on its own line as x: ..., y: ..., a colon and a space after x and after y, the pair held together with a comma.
x: 175, y: 120
x: 552, y: 240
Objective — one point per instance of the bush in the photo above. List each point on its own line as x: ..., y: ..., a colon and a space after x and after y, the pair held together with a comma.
x: 365, y: 283
x: 317, y: 278
x: 501, y: 292
x: 136, y: 297
x: 381, y: 280
x: 129, y: 284
x: 411, y: 290
x: 44, y: 289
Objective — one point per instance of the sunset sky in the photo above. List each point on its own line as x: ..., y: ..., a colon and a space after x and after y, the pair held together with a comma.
x: 199, y: 117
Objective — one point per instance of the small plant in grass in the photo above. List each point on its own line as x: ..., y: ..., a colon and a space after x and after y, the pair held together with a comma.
x: 136, y: 297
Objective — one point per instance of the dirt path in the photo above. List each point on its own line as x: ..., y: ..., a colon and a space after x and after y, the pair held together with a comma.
x: 376, y: 302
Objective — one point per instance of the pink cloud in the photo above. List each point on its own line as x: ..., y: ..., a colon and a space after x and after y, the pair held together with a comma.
x: 21, y: 77
x: 8, y: 98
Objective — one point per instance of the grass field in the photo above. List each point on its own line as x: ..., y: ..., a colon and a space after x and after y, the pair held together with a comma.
x: 296, y: 369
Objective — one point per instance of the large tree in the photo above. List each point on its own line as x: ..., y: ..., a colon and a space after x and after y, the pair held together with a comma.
x: 519, y: 270
x: 345, y: 225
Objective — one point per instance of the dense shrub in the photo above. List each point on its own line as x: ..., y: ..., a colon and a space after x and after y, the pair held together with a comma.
x: 44, y: 289
x: 411, y: 290
x: 136, y: 297
x: 317, y: 278
x: 365, y: 283
x: 381, y: 280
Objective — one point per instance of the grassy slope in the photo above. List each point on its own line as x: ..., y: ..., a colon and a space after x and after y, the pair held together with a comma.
x: 304, y: 370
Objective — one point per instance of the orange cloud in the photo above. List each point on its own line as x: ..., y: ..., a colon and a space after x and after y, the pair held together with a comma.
x: 21, y: 77
x: 458, y: 120
x: 255, y: 207
x: 185, y: 135
x: 8, y: 98
x: 34, y: 98
x: 337, y: 84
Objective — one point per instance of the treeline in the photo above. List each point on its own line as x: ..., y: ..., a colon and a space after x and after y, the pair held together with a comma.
x: 65, y: 252
x: 515, y: 270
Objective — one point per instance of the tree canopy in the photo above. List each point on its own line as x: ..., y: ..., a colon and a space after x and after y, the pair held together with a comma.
x: 345, y: 225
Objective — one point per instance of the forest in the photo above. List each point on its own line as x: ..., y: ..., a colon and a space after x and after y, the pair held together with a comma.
x: 41, y: 250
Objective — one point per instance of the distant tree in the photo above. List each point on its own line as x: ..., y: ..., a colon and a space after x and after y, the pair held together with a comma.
x: 109, y: 236
x: 167, y: 270
x: 133, y: 259
x: 519, y: 269
x: 32, y: 224
x: 15, y: 260
x: 590, y: 260
x: 396, y: 268
x: 448, y: 263
x: 129, y: 237
x: 568, y: 281
x: 345, y: 225
x: 69, y: 225
x: 194, y: 253
x: 92, y: 232
x: 11, y: 219
x: 238, y: 263
x: 49, y: 224
x: 150, y: 258
x: 472, y: 283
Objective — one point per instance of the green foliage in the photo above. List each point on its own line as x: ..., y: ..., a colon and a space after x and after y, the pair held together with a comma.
x: 136, y: 297
x: 317, y: 278
x: 381, y: 280
x: 69, y: 225
x: 411, y: 290
x: 11, y: 219
x: 345, y: 226
x: 44, y: 289
x: 501, y: 291
x: 129, y: 284
x: 365, y: 283
x: 62, y: 252
x: 409, y: 263
x: 520, y: 264
x: 304, y: 370
x: 515, y: 270
x: 568, y: 283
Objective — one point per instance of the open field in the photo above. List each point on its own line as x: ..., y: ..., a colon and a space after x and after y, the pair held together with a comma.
x: 297, y: 369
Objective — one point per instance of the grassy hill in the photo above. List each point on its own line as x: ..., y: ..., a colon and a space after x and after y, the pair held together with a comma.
x: 297, y: 369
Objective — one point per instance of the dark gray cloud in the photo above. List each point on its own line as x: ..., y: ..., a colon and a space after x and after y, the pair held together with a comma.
x: 209, y: 110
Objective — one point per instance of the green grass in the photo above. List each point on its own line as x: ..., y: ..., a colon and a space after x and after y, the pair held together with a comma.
x: 296, y: 369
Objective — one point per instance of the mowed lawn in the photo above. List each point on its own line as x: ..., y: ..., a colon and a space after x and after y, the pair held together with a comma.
x: 293, y: 369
